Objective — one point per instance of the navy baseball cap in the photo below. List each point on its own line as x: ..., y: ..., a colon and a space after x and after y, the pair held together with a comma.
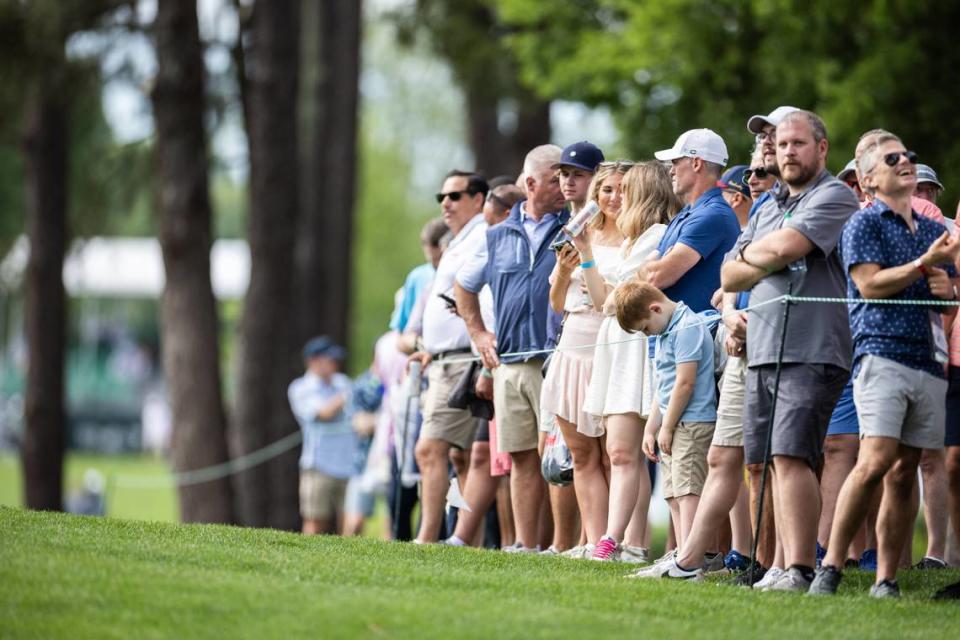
x: 734, y: 179
x: 582, y: 155
x: 323, y: 346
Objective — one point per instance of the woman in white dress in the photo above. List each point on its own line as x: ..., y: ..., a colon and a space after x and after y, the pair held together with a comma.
x: 621, y: 386
x: 565, y: 386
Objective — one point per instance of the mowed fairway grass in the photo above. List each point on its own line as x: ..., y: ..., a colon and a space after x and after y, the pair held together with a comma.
x: 65, y: 576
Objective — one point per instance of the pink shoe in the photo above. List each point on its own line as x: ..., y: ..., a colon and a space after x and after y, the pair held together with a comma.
x: 606, y: 549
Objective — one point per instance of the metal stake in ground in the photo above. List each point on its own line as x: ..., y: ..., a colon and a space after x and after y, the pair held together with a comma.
x: 766, y: 447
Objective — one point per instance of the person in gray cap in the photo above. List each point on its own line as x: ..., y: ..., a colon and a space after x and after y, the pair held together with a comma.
x: 929, y: 186
x: 849, y: 177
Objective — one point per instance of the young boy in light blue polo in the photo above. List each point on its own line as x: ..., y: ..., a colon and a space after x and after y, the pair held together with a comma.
x: 683, y: 418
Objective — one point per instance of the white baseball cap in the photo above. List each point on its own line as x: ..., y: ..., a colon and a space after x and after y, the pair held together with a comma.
x: 755, y: 123
x: 697, y: 143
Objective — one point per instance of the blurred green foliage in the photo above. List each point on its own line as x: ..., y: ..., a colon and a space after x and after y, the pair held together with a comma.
x: 666, y: 66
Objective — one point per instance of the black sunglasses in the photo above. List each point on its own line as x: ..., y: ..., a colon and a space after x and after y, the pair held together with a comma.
x: 893, y: 158
x: 760, y: 172
x: 453, y: 195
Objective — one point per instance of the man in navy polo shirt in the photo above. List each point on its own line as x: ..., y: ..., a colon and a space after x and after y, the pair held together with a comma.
x: 696, y: 240
x: 899, y: 386
x: 519, y: 262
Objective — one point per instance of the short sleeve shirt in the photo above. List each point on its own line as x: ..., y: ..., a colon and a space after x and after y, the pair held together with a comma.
x: 902, y: 333
x: 817, y: 333
x: 708, y: 226
x: 328, y: 446
x: 687, y: 339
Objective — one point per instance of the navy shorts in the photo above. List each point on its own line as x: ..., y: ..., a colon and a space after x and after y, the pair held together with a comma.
x: 952, y: 435
x: 844, y: 419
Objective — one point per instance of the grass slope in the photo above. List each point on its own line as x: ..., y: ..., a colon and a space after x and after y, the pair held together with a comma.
x: 67, y: 576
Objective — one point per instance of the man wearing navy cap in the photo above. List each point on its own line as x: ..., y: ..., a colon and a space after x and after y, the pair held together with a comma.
x: 735, y: 190
x: 578, y: 163
x: 319, y: 399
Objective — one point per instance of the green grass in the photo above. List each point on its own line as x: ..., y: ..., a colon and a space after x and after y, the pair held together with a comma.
x: 67, y: 576
x: 140, y: 503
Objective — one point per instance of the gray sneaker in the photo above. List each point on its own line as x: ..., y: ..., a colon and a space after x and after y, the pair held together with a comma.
x: 826, y: 581
x: 550, y: 551
x: 517, y: 547
x: 772, y: 575
x: 580, y: 552
x: 634, y: 555
x: 712, y: 562
x: 791, y: 580
x: 885, y: 589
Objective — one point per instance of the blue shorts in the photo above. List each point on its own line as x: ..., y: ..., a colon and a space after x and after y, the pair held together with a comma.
x: 844, y: 419
x: 952, y: 435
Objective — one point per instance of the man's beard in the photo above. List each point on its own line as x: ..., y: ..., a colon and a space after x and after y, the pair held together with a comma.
x: 805, y: 175
x: 773, y: 169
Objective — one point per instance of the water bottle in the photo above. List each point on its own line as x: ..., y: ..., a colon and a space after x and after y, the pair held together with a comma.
x: 576, y: 226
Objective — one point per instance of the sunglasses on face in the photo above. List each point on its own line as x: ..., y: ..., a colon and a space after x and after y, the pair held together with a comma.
x: 853, y: 184
x: 453, y: 195
x: 893, y: 158
x: 759, y: 172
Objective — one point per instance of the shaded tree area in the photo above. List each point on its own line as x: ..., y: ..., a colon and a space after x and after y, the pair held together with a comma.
x: 506, y: 117
x: 188, y: 310
x: 268, y: 65
x: 664, y: 67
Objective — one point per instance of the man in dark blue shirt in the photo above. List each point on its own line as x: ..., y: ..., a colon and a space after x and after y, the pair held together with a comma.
x: 899, y: 386
x: 698, y: 237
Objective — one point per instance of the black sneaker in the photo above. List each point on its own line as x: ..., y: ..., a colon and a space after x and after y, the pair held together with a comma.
x: 949, y: 592
x: 750, y: 576
x: 851, y: 563
x: 930, y: 563
x: 885, y: 589
x: 826, y: 581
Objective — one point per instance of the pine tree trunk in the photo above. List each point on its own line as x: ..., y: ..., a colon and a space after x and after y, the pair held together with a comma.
x: 45, y: 179
x: 188, y: 314
x: 267, y: 355
x: 328, y: 163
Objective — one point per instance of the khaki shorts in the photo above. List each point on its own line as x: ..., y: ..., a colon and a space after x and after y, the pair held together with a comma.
x: 733, y: 387
x: 454, y: 426
x: 321, y: 496
x: 516, y: 403
x: 685, y: 471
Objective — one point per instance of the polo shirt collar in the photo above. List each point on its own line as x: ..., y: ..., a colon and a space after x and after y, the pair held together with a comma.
x: 675, y: 317
x: 467, y: 228
x: 524, y: 216
x: 783, y: 195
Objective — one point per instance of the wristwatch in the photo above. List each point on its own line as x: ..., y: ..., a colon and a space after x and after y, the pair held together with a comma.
x: 921, y: 267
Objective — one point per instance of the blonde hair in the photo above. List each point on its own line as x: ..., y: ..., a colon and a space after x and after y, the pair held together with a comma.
x: 648, y: 199
x: 604, y: 171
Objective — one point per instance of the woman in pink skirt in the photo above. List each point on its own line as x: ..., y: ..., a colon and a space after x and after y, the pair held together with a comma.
x: 569, y: 373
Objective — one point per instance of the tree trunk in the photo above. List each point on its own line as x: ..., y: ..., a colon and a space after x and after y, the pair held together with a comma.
x: 45, y: 166
x: 267, y: 352
x: 331, y: 32
x: 188, y: 313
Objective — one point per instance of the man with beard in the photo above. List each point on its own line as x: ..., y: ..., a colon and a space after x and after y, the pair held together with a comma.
x: 790, y: 245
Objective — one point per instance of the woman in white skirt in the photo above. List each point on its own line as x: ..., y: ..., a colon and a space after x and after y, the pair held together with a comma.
x: 565, y: 386
x: 620, y: 393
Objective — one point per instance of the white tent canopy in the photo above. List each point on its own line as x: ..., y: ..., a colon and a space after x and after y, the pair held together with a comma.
x: 130, y: 268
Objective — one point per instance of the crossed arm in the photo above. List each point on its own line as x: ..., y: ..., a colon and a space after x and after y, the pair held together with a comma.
x: 757, y: 260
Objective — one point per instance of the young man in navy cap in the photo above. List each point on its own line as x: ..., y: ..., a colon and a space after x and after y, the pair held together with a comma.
x: 735, y: 190
x: 319, y: 399
x: 578, y: 163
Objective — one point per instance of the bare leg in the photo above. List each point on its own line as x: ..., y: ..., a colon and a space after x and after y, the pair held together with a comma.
x: 432, y: 459
x: 839, y: 458
x: 478, y: 492
x: 592, y: 488
x: 687, y: 507
x: 527, y: 493
x: 767, y: 535
x: 624, y: 433
x: 800, y: 506
x: 894, y: 522
x: 508, y: 533
x: 720, y: 492
x: 933, y: 470
x: 953, y: 501
x: 638, y: 529
x: 741, y: 532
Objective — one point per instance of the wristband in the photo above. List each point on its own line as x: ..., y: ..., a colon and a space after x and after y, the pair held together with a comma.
x: 921, y: 267
x: 588, y: 264
x: 486, y: 373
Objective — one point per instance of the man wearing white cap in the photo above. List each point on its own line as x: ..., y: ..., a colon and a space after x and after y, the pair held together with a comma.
x: 697, y: 238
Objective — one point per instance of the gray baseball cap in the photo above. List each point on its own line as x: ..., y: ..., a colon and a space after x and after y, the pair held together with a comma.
x: 925, y: 173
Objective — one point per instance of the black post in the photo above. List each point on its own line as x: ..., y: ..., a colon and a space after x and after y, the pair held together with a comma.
x: 766, y: 448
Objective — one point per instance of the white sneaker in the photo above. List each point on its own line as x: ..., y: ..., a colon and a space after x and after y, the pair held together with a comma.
x: 580, y: 552
x: 772, y: 575
x: 517, y: 547
x: 668, y: 570
x: 634, y: 555
x: 791, y: 580
x: 669, y: 555
x: 550, y: 551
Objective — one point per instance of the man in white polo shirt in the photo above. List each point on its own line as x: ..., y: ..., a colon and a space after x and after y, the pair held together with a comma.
x: 444, y: 336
